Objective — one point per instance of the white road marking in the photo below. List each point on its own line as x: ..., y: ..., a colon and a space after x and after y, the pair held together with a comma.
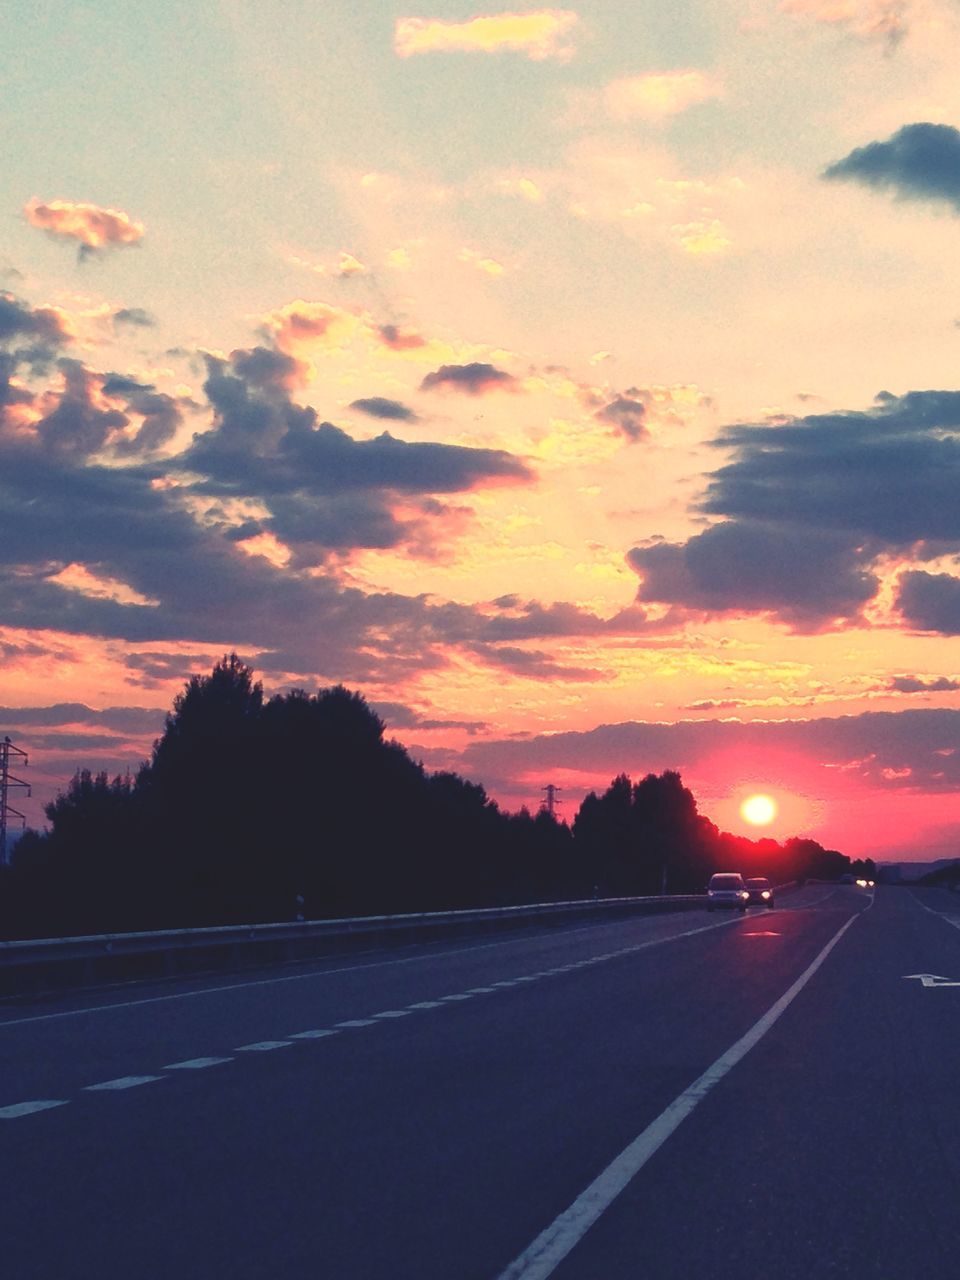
x: 939, y: 914
x: 122, y: 1082
x: 28, y: 1108
x: 426, y: 1004
x: 549, y: 1249
x: 263, y: 1046
x: 459, y: 995
x: 357, y: 1022
x: 931, y: 980
x: 393, y: 1013
x: 481, y: 991
x: 313, y: 1035
x: 305, y: 977
x: 195, y: 1064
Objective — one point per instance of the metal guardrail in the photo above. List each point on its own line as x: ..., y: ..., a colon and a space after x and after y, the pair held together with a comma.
x: 41, y: 963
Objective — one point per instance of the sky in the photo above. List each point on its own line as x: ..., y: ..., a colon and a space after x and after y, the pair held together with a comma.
x: 579, y: 384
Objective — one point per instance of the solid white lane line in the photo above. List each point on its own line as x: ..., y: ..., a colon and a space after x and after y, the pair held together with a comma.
x: 28, y: 1108
x: 195, y: 1064
x: 313, y: 1035
x: 263, y: 1046
x: 122, y: 1082
x: 545, y: 1254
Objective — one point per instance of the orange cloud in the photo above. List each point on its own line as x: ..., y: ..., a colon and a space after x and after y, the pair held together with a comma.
x: 302, y: 326
x: 539, y: 34
x: 94, y: 227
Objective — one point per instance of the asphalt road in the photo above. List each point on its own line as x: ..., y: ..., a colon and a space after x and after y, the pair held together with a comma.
x: 691, y: 1095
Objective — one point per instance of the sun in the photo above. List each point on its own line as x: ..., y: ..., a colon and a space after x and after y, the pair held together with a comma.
x: 759, y: 810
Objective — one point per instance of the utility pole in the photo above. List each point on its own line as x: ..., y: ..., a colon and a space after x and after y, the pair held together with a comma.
x: 551, y: 803
x: 7, y: 782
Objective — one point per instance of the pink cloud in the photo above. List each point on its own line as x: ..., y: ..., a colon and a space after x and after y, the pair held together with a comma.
x: 89, y: 224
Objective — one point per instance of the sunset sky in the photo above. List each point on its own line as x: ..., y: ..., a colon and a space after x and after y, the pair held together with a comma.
x: 580, y: 385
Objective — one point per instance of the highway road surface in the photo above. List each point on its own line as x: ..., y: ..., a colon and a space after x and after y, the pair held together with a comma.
x: 692, y: 1095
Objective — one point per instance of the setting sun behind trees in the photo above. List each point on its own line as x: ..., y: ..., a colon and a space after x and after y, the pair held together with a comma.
x: 759, y: 810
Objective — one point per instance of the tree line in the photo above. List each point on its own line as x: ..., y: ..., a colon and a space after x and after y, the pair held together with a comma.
x: 254, y: 809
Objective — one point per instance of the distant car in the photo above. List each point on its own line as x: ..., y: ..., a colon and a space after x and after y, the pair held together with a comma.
x: 760, y: 892
x: 727, y: 889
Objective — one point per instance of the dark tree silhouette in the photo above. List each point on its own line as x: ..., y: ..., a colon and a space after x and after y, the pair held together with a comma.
x: 297, y: 806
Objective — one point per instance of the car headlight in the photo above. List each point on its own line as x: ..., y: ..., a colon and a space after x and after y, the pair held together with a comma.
x: 861, y: 884
x: 765, y: 894
x: 744, y: 894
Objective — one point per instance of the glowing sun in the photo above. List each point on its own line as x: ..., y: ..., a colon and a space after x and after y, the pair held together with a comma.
x: 759, y: 811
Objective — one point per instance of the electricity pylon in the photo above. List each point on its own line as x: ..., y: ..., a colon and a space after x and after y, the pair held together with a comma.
x: 7, y: 783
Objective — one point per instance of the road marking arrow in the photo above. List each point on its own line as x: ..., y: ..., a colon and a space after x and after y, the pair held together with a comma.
x: 931, y: 980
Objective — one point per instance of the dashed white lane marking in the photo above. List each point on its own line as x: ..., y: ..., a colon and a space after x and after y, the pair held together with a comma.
x: 545, y: 1254
x: 939, y: 914
x: 480, y: 991
x: 122, y: 1082
x: 426, y: 1004
x: 300, y: 977
x: 195, y: 1064
x: 457, y: 995
x: 314, y: 1035
x: 393, y: 1013
x: 357, y: 1022
x: 29, y: 1108
x: 263, y: 1046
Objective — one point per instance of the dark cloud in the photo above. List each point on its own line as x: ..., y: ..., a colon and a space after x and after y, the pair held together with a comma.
x: 903, y: 750
x: 134, y: 318
x: 920, y: 684
x: 380, y: 407
x: 78, y: 425
x: 325, y: 489
x: 919, y: 162
x: 397, y: 715
x: 72, y: 492
x: 534, y: 664
x: 40, y: 325
x: 124, y: 720
x: 474, y: 379
x: 930, y: 601
x: 806, y: 507
x: 809, y: 577
x: 398, y: 339
x: 627, y: 415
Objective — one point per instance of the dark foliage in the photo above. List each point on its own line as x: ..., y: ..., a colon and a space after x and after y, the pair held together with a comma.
x: 255, y: 809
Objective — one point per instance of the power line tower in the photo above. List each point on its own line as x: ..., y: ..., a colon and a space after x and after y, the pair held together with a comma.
x: 7, y: 783
x: 551, y: 804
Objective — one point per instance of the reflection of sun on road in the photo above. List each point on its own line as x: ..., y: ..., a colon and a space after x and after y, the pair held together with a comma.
x: 759, y: 810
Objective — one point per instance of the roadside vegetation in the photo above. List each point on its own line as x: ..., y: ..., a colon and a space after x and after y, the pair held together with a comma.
x: 254, y: 809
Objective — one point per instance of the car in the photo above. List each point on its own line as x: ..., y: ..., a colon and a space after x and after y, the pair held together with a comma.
x: 760, y: 891
x: 727, y: 889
